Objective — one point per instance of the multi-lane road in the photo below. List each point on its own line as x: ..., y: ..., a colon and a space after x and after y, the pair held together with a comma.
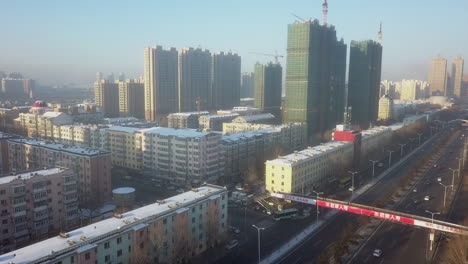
x: 331, y: 231
x: 407, y: 244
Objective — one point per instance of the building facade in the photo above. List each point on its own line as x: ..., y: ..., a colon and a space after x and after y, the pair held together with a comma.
x: 268, y: 88
x: 226, y: 82
x: 161, y: 82
x: 170, y: 231
x: 215, y: 122
x: 132, y: 98
x: 246, y: 152
x: 185, y: 120
x: 92, y: 166
x: 365, y: 66
x: 457, y: 76
x: 37, y: 204
x: 106, y: 96
x: 438, y: 76
x: 247, y: 85
x: 385, y: 108
x: 194, y: 79
x: 182, y: 156
x: 125, y: 146
x: 314, y: 77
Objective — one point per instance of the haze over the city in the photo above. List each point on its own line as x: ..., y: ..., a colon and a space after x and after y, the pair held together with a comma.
x: 56, y: 41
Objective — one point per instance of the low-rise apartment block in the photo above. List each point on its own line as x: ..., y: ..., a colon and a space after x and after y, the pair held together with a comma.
x: 170, y: 231
x: 35, y: 205
x: 92, y: 166
x: 215, y: 122
x: 126, y: 147
x: 246, y: 152
x: 185, y: 120
x: 183, y: 156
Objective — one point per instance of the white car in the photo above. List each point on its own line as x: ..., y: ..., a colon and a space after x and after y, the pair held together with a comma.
x: 232, y: 244
x: 426, y: 198
x: 439, y: 179
x: 415, y: 190
x: 377, y: 253
x: 351, y: 189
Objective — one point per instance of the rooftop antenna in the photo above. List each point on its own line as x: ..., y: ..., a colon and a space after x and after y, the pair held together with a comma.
x: 325, y: 12
x: 380, y: 34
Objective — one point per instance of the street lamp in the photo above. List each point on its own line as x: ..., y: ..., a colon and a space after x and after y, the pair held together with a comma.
x: 258, y: 232
x: 401, y: 149
x: 432, y: 230
x: 316, y: 202
x: 419, y: 135
x: 373, y: 167
x: 352, y: 181
x: 453, y: 176
x: 445, y: 191
x: 390, y: 157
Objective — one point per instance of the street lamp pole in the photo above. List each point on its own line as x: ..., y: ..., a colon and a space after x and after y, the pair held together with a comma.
x: 432, y: 230
x: 401, y: 149
x: 445, y: 191
x: 419, y: 135
x: 373, y: 167
x: 258, y: 232
x: 453, y: 176
x: 352, y: 181
x: 316, y: 202
x: 390, y: 158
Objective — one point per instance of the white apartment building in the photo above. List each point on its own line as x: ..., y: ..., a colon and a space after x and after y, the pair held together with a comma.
x: 308, y: 168
x: 183, y: 156
x: 385, y: 108
x: 173, y: 230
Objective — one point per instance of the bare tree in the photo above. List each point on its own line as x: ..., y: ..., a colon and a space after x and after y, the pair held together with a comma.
x: 457, y: 249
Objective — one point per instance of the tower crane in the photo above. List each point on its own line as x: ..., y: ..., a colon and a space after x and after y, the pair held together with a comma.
x: 271, y: 55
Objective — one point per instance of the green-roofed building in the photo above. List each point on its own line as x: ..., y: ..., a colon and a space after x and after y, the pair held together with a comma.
x: 315, y: 78
x: 365, y: 64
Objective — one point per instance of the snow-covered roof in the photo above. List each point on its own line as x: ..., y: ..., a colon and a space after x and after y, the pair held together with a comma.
x: 253, y: 118
x: 123, y: 190
x: 224, y: 116
x: 124, y: 129
x: 309, y: 153
x: 29, y: 174
x: 60, y: 147
x: 177, y: 132
x: 88, y: 236
x: 190, y: 113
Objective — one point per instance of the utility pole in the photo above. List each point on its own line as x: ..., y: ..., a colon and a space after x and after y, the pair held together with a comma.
x: 453, y: 176
x: 316, y: 202
x: 445, y: 191
x: 258, y: 232
x: 419, y: 135
x: 401, y: 149
x: 352, y: 181
x: 373, y: 167
x: 390, y: 158
x: 431, y: 238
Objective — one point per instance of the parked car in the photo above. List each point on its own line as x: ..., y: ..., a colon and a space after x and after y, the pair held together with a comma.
x: 439, y: 179
x: 380, y: 164
x: 351, y: 189
x: 377, y: 253
x: 426, y: 198
x: 415, y: 190
x: 232, y: 244
x: 172, y: 188
x: 180, y: 191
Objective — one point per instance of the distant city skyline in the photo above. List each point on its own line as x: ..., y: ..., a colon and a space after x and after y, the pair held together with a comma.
x: 56, y: 42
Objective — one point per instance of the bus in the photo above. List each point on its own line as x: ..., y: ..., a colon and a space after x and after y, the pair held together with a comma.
x: 285, y: 214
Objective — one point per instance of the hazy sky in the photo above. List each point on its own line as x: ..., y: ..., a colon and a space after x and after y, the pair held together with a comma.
x: 69, y: 41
